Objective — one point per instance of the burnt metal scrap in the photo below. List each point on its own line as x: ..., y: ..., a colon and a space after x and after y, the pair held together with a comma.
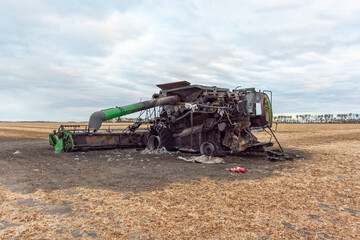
x: 194, y: 118
x: 277, y: 155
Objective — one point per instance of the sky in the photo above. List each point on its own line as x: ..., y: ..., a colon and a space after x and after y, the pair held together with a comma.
x: 63, y: 60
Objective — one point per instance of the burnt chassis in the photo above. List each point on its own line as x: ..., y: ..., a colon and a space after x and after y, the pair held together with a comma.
x: 194, y: 118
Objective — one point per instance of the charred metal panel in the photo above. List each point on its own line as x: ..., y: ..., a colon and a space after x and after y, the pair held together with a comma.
x: 173, y: 85
x: 87, y: 141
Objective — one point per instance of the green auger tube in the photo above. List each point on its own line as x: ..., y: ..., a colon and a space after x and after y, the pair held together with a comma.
x: 97, y: 118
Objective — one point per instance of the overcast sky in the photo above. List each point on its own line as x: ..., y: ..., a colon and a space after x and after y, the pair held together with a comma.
x: 63, y: 60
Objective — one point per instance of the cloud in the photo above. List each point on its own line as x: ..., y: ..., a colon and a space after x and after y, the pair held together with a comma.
x: 64, y: 60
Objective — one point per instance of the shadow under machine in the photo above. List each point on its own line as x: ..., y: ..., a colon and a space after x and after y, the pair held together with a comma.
x: 194, y: 118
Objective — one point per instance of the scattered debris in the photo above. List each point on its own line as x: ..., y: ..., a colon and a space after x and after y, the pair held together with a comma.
x: 202, y: 159
x: 186, y: 160
x: 155, y: 151
x: 17, y: 152
x: 276, y: 155
x: 237, y: 169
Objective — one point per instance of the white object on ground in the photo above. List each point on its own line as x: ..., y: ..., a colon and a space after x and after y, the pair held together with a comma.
x: 203, y: 159
x: 155, y: 151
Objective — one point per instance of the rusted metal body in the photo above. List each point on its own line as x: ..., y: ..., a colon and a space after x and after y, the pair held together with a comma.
x: 195, y: 118
x: 86, y: 141
x: 211, y: 120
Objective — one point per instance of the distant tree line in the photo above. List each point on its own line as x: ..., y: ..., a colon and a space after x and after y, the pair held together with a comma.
x: 324, y: 118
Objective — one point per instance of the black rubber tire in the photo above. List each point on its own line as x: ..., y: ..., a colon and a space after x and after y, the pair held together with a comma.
x: 154, y: 142
x: 208, y: 149
x: 164, y: 134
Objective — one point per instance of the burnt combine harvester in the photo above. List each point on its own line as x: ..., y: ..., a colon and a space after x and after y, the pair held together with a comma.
x: 193, y: 118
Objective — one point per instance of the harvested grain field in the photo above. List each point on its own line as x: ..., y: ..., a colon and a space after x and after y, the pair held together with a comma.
x: 124, y: 194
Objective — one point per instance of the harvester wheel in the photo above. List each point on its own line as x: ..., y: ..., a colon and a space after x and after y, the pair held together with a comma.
x: 154, y: 142
x: 160, y: 136
x: 207, y: 149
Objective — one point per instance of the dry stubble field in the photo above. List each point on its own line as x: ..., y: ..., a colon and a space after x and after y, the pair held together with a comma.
x: 121, y: 194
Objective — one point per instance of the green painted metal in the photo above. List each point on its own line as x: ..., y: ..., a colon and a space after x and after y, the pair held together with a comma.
x: 52, y: 139
x: 59, y: 146
x: 64, y: 142
x: 111, y: 113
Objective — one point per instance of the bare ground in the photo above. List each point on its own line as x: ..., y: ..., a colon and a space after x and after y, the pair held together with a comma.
x: 127, y: 195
